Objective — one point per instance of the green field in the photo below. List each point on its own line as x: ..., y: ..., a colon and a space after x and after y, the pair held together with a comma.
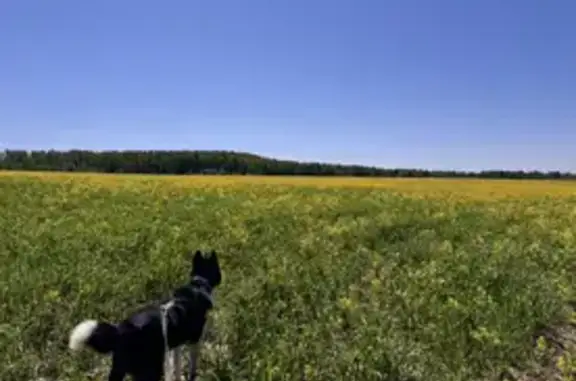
x: 375, y: 281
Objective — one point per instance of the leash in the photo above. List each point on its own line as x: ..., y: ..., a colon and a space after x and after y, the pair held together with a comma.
x: 168, y: 363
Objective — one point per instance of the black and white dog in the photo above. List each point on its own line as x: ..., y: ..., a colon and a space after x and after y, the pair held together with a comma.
x: 139, y: 343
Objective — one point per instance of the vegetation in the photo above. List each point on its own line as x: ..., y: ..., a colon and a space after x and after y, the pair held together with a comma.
x: 221, y: 162
x: 324, y: 279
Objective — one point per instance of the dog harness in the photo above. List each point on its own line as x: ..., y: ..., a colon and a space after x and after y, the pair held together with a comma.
x: 164, y: 309
x: 202, y: 290
x: 168, y: 355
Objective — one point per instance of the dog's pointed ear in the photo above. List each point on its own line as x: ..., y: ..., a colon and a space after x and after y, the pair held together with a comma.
x: 197, y: 258
x: 216, y: 276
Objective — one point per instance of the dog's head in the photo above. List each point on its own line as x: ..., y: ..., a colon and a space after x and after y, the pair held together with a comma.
x: 206, y: 266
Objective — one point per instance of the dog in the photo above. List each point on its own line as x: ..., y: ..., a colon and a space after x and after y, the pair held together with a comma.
x: 139, y: 343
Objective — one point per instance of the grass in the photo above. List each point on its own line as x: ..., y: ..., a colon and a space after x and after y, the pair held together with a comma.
x: 324, y: 279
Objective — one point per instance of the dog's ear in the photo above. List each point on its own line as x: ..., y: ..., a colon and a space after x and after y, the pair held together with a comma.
x: 216, y: 273
x: 213, y: 257
x: 197, y: 259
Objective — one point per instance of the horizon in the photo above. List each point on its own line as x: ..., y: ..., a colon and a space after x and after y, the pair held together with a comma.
x: 437, y: 86
x: 291, y: 160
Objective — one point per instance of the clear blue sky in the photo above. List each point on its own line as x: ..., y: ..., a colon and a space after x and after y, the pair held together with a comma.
x: 406, y: 83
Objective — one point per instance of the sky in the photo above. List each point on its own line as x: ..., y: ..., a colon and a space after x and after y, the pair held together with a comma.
x: 443, y: 84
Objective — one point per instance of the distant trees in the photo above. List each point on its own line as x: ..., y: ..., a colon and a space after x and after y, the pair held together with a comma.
x: 222, y: 162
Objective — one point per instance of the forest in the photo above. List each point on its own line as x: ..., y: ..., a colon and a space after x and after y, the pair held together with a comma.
x: 224, y: 162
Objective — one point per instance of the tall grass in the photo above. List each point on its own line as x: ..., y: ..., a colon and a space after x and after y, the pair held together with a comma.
x: 320, y: 283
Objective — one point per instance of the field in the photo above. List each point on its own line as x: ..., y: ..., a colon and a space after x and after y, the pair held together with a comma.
x: 324, y: 279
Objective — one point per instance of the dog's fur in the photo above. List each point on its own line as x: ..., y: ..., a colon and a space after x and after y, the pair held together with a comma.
x: 137, y: 343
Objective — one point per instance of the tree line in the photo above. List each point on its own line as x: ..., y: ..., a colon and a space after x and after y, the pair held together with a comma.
x: 223, y: 162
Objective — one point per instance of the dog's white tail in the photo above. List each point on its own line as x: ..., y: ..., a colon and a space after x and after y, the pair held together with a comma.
x: 81, y: 333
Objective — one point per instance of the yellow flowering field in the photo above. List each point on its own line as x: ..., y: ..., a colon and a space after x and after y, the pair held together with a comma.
x: 324, y: 278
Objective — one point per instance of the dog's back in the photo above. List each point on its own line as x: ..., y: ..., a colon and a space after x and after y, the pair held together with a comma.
x: 187, y: 315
